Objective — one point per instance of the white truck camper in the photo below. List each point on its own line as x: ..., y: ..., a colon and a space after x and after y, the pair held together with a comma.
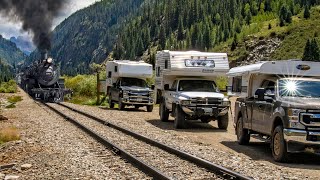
x: 127, y: 86
x: 186, y: 87
x: 278, y: 101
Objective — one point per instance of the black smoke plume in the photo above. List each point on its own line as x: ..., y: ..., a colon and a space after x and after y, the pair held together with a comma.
x: 36, y: 16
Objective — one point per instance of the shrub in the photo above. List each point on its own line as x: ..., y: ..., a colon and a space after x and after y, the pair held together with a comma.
x: 8, y: 87
x: 9, y: 134
x: 14, y: 99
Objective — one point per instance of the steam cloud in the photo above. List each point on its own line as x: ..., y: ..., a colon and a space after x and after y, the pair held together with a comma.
x: 36, y: 16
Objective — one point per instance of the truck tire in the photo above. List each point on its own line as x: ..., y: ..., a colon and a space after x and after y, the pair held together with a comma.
x: 223, y: 122
x: 121, y: 106
x: 278, y: 145
x: 150, y: 108
x: 243, y: 135
x: 110, y: 102
x: 164, y: 113
x: 180, y: 118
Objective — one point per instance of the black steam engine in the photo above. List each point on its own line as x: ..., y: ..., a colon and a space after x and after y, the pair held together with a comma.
x: 41, y: 80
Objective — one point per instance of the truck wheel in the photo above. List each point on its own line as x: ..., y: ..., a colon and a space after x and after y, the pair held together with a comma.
x: 205, y: 119
x: 150, y: 108
x: 164, y: 113
x: 180, y: 119
x: 278, y: 145
x: 121, y: 106
x: 110, y: 102
x: 223, y: 122
x: 243, y: 135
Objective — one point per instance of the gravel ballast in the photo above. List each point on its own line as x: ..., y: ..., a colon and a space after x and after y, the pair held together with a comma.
x: 52, y: 148
x: 137, y: 121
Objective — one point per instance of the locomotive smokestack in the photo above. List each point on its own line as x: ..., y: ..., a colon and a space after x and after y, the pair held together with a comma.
x: 36, y: 16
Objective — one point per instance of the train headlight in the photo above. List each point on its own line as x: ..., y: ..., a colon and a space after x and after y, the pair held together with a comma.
x: 49, y: 60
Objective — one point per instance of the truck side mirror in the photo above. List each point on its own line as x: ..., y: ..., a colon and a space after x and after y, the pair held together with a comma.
x: 166, y: 87
x: 152, y: 87
x: 114, y: 84
x: 260, y: 93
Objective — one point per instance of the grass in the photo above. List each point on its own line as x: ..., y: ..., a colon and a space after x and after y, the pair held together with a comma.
x: 14, y: 99
x: 8, y: 87
x: 9, y: 134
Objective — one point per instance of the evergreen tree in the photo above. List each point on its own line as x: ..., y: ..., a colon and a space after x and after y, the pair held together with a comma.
x: 180, y: 29
x: 307, y: 55
x: 234, y: 43
x: 306, y: 13
x: 162, y: 38
x: 315, y: 50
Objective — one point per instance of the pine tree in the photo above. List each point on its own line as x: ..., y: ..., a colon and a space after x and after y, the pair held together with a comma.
x: 307, y: 55
x: 315, y: 50
x: 234, y: 43
x: 306, y: 13
x: 162, y: 38
x: 180, y: 29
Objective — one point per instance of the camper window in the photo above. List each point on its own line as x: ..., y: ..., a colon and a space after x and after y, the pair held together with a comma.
x: 166, y: 64
x: 158, y: 71
x: 237, y: 84
x: 109, y: 74
x: 116, y: 69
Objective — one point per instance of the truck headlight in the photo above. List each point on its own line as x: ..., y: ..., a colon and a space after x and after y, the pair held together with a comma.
x: 293, y: 115
x: 185, y: 102
x: 125, y: 93
x: 225, y: 103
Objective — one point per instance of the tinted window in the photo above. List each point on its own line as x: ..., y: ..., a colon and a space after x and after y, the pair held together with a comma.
x: 197, y: 86
x: 133, y: 82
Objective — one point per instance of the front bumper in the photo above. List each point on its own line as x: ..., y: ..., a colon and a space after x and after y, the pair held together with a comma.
x: 205, y: 111
x: 300, y: 140
x: 144, y: 101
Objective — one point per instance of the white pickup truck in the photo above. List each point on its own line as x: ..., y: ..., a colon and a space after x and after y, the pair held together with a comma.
x: 186, y: 87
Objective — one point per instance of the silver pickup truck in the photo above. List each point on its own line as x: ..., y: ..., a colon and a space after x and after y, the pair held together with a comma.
x: 192, y: 99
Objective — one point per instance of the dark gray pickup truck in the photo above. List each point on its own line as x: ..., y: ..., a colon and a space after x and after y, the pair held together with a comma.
x: 284, y: 111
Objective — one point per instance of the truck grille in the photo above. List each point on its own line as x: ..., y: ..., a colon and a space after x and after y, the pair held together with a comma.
x: 139, y: 94
x: 206, y: 101
x: 310, y: 119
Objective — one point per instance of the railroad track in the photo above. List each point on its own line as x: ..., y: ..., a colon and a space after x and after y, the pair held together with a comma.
x: 141, y: 147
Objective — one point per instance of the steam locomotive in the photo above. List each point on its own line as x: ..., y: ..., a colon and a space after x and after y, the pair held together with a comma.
x: 41, y: 80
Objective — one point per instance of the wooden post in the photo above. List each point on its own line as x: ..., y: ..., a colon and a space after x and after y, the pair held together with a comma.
x: 98, y: 88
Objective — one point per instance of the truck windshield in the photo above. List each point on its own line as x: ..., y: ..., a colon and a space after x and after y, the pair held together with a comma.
x: 299, y: 88
x: 133, y: 82
x: 197, y: 86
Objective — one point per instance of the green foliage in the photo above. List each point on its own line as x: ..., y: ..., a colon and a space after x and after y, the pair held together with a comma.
x: 306, y: 13
x: 8, y: 87
x: 82, y: 85
x: 6, y: 72
x: 9, y: 53
x: 311, y: 51
x: 14, y: 99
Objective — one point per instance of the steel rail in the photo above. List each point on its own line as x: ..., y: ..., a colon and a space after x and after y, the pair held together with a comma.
x: 217, y: 169
x: 137, y: 162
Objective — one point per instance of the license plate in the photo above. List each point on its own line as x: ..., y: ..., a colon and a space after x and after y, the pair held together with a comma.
x: 139, y: 99
x: 207, y: 110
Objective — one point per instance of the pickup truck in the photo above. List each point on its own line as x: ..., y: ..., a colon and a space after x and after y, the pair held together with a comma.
x: 131, y: 92
x: 285, y: 111
x: 192, y: 99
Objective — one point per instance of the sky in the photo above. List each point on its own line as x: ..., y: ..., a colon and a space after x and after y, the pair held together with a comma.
x: 9, y: 29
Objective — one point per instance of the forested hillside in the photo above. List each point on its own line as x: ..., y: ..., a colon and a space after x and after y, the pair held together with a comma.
x: 248, y: 30
x: 208, y: 25
x: 10, y: 56
x: 89, y: 35
x: 9, y: 53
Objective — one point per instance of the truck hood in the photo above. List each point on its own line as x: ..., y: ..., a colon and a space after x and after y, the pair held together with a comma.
x: 301, y: 103
x: 134, y: 88
x: 201, y: 95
